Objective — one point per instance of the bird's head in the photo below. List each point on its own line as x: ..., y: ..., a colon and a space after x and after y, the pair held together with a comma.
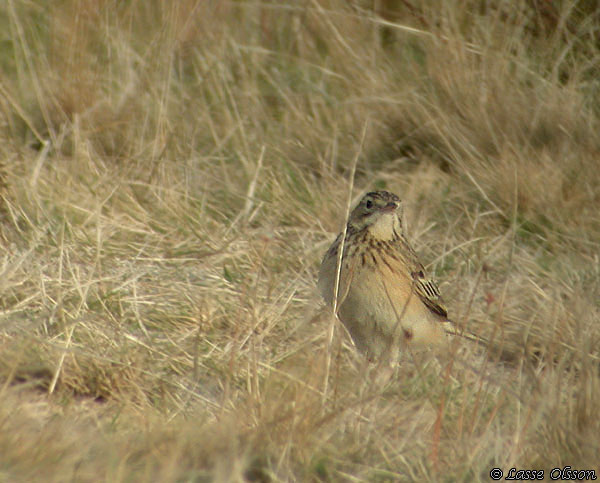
x: 378, y: 212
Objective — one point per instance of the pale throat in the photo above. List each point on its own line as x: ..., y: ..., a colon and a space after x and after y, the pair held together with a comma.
x: 385, y: 227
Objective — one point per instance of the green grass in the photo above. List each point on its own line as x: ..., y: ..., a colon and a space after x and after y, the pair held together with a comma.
x: 171, y: 174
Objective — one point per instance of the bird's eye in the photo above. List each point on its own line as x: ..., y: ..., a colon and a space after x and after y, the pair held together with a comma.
x: 369, y: 204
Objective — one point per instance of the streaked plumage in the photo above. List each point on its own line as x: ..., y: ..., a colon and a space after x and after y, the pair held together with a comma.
x: 385, y: 298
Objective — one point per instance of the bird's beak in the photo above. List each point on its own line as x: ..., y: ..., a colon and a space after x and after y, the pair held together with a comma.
x: 391, y: 206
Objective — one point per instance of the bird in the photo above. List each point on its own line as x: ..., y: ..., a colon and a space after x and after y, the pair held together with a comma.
x: 373, y: 279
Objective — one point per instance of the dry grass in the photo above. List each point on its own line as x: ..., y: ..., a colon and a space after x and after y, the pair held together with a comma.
x: 171, y: 175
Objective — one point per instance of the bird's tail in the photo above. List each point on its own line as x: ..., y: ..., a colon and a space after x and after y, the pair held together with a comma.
x: 455, y: 330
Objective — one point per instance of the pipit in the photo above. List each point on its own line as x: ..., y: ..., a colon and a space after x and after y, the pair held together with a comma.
x: 382, y: 293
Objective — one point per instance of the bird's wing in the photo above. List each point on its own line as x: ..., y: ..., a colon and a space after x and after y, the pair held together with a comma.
x: 424, y: 287
x: 429, y: 293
